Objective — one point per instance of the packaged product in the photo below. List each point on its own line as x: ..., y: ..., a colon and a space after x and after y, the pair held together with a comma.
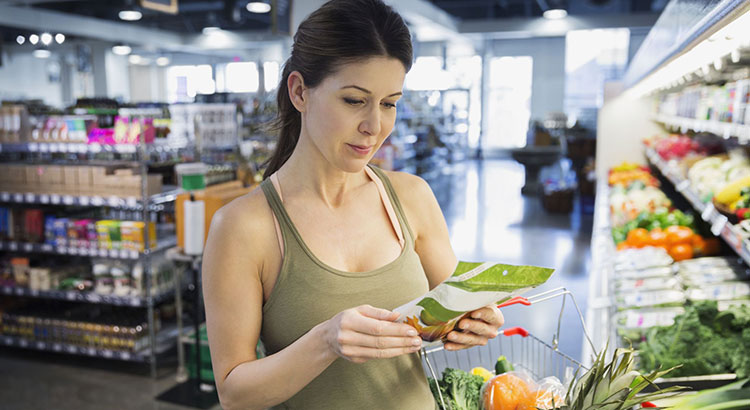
x: 662, y: 272
x: 634, y: 323
x: 711, y: 276
x: 642, y: 258
x: 720, y: 291
x: 472, y: 286
x: 648, y: 283
x: 654, y: 298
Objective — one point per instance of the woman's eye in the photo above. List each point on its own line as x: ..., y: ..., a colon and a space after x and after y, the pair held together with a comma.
x: 389, y: 105
x: 353, y: 101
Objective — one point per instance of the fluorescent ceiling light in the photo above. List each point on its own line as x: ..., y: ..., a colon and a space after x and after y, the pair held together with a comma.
x: 20, y: 40
x: 211, y: 30
x: 258, y: 7
x: 135, y: 59
x: 555, y: 14
x: 121, y: 49
x: 60, y: 38
x: 130, y: 15
x: 33, y: 39
x: 46, y: 39
x: 41, y: 53
x: 162, y: 61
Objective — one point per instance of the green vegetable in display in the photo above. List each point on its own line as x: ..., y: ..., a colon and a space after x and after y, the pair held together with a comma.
x: 460, y: 390
x: 703, y: 340
x: 734, y: 396
x: 503, y: 365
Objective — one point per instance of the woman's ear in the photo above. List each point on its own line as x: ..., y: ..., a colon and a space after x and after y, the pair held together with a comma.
x: 296, y: 86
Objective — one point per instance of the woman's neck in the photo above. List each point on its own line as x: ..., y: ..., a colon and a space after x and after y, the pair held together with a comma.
x: 307, y: 174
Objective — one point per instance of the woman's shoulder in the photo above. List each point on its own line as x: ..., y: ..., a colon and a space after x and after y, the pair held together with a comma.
x: 247, y: 218
x: 409, y: 187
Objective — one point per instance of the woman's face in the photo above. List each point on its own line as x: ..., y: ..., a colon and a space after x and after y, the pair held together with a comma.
x: 349, y: 115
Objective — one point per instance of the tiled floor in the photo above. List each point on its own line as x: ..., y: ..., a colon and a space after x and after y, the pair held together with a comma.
x: 488, y: 220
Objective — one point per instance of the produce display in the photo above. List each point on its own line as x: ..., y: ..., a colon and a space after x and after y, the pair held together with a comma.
x: 709, y: 176
x: 703, y: 339
x: 613, y: 384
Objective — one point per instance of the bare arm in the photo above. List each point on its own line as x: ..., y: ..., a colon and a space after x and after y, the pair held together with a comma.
x: 233, y: 294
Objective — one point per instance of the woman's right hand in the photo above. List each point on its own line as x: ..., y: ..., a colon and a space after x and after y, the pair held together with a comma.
x: 363, y: 333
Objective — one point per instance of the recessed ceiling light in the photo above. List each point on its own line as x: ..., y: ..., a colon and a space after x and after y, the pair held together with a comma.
x: 258, y: 7
x: 33, y: 39
x: 135, y: 59
x: 20, y: 40
x: 211, y: 30
x: 130, y: 15
x: 121, y: 49
x: 162, y: 61
x: 555, y: 14
x: 46, y: 38
x: 59, y: 38
x: 41, y: 53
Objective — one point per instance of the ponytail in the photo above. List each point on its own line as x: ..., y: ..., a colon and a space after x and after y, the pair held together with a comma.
x: 288, y: 123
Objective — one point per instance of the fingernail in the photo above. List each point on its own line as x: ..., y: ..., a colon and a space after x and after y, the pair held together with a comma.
x: 463, y: 325
x: 416, y: 342
x: 415, y: 348
x: 411, y: 332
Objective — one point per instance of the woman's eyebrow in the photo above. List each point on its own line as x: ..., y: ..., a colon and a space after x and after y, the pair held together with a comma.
x: 366, y: 91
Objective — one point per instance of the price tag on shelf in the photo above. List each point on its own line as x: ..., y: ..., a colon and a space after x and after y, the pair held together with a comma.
x: 7, y: 290
x: 93, y: 298
x: 44, y: 198
x: 62, y: 250
x: 30, y: 198
x: 46, y: 247
x: 2, y: 246
x: 63, y: 147
x: 132, y: 201
x: 43, y: 147
x: 57, y: 347
x: 113, y: 253
x: 682, y: 185
x: 71, y: 295
x: 41, y: 345
x: 55, y: 199
x: 102, y: 253
x: 123, y: 254
x: 12, y: 246
x: 134, y: 301
x: 718, y: 225
x: 91, y: 351
x: 97, y: 201
x: 8, y: 341
x: 133, y: 254
x: 23, y: 342
x: 68, y: 200
x: 4, y: 196
x: 83, y: 251
x: 54, y: 147
x: 18, y: 198
x: 708, y: 212
x: 19, y: 291
x: 83, y: 200
x: 71, y: 349
x: 28, y: 247
x: 73, y: 251
x: 125, y: 356
x: 113, y: 201
x: 33, y: 147
x: 107, y: 354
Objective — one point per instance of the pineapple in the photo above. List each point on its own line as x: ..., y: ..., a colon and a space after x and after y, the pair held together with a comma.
x: 614, y: 385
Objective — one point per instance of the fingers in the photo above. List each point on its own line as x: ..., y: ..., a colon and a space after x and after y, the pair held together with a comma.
x: 360, y: 354
x: 379, y: 342
x: 468, y: 339
x: 489, y: 314
x: 377, y: 313
x: 378, y: 327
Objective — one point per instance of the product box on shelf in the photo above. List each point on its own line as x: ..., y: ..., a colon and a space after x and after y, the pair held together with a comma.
x: 70, y: 180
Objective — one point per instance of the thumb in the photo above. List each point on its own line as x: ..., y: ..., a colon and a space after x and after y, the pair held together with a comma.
x: 377, y: 313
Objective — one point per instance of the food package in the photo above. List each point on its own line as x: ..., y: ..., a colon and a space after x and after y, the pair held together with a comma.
x: 653, y: 298
x: 517, y: 390
x: 633, y: 324
x: 648, y: 257
x: 472, y: 286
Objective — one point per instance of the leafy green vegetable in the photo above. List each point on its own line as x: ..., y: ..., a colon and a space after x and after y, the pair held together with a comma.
x: 703, y: 340
x: 733, y: 396
x: 460, y: 390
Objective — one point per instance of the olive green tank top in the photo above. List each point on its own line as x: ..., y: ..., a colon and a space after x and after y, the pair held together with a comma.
x: 309, y: 292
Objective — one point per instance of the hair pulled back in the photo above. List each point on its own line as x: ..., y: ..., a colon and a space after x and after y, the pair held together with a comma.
x: 338, y: 33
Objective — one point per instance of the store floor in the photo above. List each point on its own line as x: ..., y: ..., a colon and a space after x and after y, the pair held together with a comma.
x: 489, y: 221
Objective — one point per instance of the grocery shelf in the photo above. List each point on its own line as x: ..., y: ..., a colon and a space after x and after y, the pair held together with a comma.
x: 88, y: 297
x: 720, y: 225
x: 126, y: 203
x: 165, y: 340
x: 46, y: 248
x: 724, y: 129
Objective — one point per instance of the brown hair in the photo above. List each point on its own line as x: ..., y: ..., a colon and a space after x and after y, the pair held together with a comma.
x: 339, y: 32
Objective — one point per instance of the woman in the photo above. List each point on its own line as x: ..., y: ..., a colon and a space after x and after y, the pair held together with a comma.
x: 312, y: 262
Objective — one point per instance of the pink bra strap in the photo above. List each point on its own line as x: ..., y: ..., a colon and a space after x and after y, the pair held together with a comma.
x: 387, y: 204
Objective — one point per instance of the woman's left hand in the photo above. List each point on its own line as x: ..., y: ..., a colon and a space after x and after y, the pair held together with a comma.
x: 475, y: 329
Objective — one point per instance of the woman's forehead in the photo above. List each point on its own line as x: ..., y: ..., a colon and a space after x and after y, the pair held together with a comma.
x: 376, y: 74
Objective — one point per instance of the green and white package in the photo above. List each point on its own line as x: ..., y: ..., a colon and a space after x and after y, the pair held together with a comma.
x: 471, y: 287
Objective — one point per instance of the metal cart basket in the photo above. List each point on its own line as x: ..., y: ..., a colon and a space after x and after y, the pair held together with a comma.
x: 524, y: 350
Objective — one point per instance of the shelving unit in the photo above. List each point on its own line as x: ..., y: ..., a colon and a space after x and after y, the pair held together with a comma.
x: 45, y: 248
x: 87, y: 297
x: 126, y: 203
x: 724, y: 129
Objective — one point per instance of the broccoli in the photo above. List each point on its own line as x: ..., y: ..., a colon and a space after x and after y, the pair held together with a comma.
x: 702, y: 340
x: 460, y: 390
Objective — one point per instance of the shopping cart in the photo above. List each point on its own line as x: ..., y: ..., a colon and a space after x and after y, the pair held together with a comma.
x: 524, y: 350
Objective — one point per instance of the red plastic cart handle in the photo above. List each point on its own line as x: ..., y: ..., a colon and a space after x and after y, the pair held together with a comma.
x: 516, y: 300
x: 648, y: 404
x: 516, y: 331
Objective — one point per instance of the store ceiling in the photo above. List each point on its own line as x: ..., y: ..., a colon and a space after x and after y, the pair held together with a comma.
x: 501, y: 9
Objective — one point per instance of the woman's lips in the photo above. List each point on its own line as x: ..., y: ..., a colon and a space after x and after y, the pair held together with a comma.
x: 360, y: 149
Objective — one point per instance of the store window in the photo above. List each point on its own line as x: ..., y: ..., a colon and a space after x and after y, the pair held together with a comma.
x: 185, y: 81
x: 592, y: 57
x: 427, y: 73
x: 271, y: 75
x: 242, y: 77
x: 468, y: 73
x: 509, y: 102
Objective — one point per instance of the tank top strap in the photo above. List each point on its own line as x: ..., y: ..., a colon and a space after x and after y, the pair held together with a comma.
x: 393, y: 199
x: 273, y: 196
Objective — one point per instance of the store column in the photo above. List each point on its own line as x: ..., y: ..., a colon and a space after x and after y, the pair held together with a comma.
x: 99, y: 68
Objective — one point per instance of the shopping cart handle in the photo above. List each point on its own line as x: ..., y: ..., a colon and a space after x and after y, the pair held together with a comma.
x: 518, y: 299
x: 516, y: 331
x: 648, y: 404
